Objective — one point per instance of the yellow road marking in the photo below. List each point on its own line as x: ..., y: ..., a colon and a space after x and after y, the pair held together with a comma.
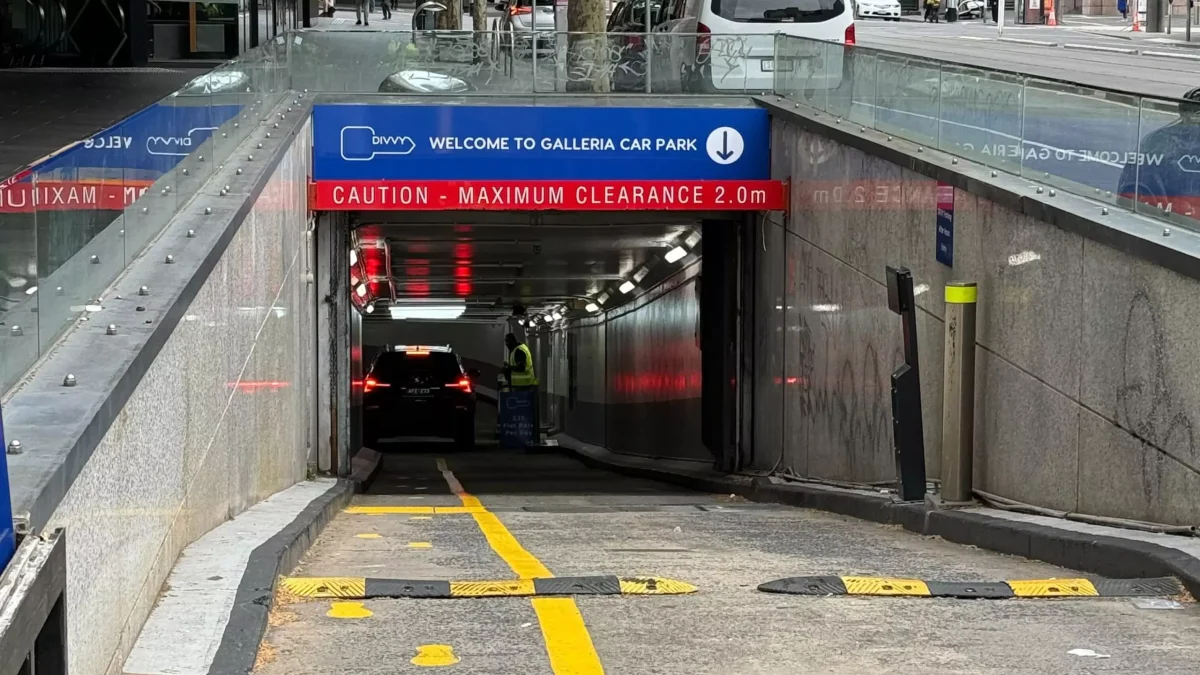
x: 492, y: 589
x: 568, y: 644
x: 326, y: 587
x: 884, y: 586
x: 420, y: 518
x: 1052, y: 588
x: 401, y: 510
x: 419, y: 544
x: 348, y: 610
x: 368, y: 535
x: 654, y: 586
x: 434, y: 655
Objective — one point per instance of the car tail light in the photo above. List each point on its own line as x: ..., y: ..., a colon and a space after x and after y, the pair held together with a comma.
x: 417, y: 352
x: 850, y: 34
x: 520, y: 10
x: 371, y: 384
x: 703, y: 40
x: 464, y: 384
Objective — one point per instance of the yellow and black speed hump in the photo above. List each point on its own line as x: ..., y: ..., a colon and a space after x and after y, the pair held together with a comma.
x: 360, y: 588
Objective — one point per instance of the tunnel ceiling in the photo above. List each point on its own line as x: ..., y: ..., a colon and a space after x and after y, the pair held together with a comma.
x: 492, y: 265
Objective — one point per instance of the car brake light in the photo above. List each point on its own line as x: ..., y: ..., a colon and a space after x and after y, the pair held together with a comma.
x: 417, y: 352
x: 463, y: 384
x: 370, y: 384
x: 703, y: 40
x: 520, y: 10
x: 850, y: 34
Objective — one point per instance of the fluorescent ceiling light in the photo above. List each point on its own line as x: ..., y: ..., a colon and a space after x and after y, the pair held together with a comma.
x: 370, y: 308
x: 592, y: 307
x: 353, y: 257
x: 361, y: 290
x: 557, y: 316
x: 641, y: 274
x: 31, y: 290
x: 693, y: 238
x: 603, y: 298
x: 1022, y: 258
x: 429, y: 311
x: 675, y: 255
x: 354, y: 280
x: 627, y: 287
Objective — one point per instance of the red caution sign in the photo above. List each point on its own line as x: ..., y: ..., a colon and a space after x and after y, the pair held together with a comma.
x: 550, y: 195
x: 26, y: 197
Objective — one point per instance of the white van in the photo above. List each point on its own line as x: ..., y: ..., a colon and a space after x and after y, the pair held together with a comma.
x: 729, y: 45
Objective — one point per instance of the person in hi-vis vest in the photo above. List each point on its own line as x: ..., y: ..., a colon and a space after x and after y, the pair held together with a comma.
x: 518, y: 367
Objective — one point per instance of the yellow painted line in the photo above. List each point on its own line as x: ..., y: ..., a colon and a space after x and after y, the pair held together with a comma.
x: 348, y: 610
x: 1052, y: 588
x: 884, y: 586
x: 403, y: 510
x: 434, y: 655
x: 368, y: 535
x: 326, y: 587
x: 654, y: 586
x: 568, y: 643
x: 419, y: 544
x: 491, y: 589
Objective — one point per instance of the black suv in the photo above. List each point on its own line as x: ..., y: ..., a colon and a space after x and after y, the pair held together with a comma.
x: 419, y: 391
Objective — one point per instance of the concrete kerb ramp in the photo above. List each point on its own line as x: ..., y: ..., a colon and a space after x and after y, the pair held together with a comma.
x: 162, y: 437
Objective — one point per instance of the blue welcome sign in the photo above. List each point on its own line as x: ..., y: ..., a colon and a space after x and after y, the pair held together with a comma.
x: 149, y: 143
x: 417, y: 142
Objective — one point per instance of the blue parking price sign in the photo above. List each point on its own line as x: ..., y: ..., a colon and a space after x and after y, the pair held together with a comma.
x: 516, y: 418
x: 944, y: 238
x: 8, y: 535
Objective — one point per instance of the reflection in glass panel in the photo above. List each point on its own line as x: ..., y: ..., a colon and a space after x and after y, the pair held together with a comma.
x: 907, y: 95
x: 1077, y: 138
x: 980, y: 116
x: 1163, y: 177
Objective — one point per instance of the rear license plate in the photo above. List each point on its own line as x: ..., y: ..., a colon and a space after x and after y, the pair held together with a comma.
x: 768, y: 66
x: 419, y: 392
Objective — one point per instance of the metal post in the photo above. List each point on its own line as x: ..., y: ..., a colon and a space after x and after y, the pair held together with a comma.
x: 1000, y: 23
x: 8, y: 535
x: 1187, y: 35
x: 958, y: 392
x: 646, y: 48
x: 908, y: 437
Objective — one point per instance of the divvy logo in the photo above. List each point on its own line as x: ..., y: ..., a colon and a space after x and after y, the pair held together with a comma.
x: 177, y: 146
x: 362, y: 144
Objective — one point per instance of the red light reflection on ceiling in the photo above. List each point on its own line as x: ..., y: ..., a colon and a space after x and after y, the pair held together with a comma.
x: 462, y: 289
x: 462, y: 270
x: 417, y: 288
x: 464, y: 251
x: 417, y: 247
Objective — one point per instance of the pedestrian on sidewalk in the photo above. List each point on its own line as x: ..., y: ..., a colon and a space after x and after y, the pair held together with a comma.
x: 931, y: 11
x: 387, y: 10
x: 1123, y: 8
x: 994, y: 8
x: 362, y: 12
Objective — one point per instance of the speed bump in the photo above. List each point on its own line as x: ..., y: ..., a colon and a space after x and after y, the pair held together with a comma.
x: 1023, y: 588
x: 360, y: 588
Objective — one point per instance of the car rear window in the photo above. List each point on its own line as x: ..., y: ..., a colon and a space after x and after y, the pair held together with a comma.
x: 778, y: 11
x: 393, y: 366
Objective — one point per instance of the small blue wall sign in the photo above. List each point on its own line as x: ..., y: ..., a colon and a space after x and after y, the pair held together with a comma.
x: 944, y: 239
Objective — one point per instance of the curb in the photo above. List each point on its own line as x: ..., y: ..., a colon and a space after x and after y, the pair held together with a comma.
x: 360, y: 588
x: 364, y: 467
x: 278, y: 555
x: 1112, y: 557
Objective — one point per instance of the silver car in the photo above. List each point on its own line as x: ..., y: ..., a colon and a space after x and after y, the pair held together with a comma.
x: 521, y: 19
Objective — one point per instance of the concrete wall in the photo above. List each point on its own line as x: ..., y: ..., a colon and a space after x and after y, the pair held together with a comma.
x: 210, y: 430
x: 1086, y: 375
x: 635, y: 374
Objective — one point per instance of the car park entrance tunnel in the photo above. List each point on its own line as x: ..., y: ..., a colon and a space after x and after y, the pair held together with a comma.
x: 255, y: 364
x: 580, y: 230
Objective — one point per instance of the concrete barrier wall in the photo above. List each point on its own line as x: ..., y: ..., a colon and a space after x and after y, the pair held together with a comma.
x: 212, y: 428
x: 1086, y: 394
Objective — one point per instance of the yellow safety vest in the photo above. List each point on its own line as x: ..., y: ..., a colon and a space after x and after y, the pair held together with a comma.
x: 521, y: 378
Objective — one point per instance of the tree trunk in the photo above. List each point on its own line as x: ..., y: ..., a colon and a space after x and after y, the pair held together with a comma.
x: 588, y: 64
x: 451, y: 19
x: 479, y: 23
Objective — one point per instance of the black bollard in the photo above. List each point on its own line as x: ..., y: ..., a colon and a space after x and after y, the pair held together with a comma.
x: 908, y: 438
